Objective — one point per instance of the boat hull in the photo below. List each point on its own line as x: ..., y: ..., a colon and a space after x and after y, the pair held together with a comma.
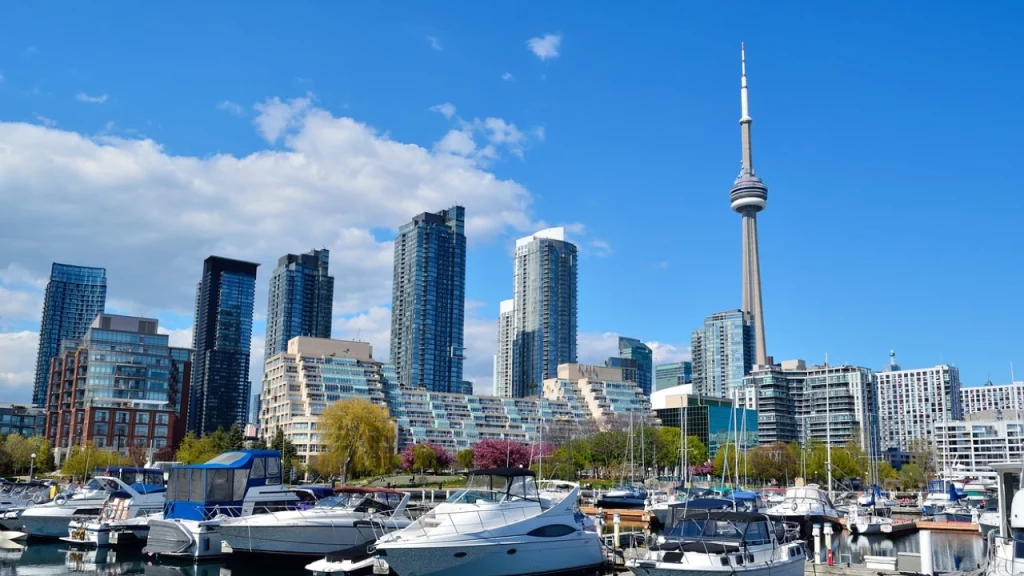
x: 787, y: 568
x: 516, y: 556
x: 953, y: 517
x: 299, y: 540
x: 184, y: 539
x: 51, y: 525
x: 615, y: 503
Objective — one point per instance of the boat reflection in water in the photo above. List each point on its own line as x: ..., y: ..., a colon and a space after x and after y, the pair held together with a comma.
x: 950, y: 552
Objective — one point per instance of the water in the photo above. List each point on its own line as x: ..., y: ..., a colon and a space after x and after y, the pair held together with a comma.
x: 951, y: 552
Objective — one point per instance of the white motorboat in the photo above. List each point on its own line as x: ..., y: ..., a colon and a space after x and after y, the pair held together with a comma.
x: 863, y: 521
x: 499, y: 525
x: 1005, y: 552
x: 624, y: 498
x: 345, y: 523
x: 124, y: 517
x: 201, y: 497
x: 806, y: 505
x: 718, y: 542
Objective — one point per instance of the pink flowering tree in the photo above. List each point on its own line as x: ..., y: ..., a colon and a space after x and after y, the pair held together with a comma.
x: 701, y: 469
x: 426, y: 456
x: 502, y: 453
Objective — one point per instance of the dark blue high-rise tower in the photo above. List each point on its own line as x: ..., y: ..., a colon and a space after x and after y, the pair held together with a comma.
x: 301, y: 300
x: 222, y: 338
x: 75, y: 295
x: 429, y: 300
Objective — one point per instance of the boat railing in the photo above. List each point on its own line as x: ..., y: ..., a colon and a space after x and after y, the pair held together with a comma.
x: 1005, y: 556
x: 465, y: 522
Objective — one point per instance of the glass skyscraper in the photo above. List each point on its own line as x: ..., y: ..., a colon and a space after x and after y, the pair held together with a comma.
x: 74, y: 297
x: 723, y: 353
x: 222, y: 338
x: 301, y: 300
x: 633, y: 349
x: 544, y: 304
x: 428, y: 301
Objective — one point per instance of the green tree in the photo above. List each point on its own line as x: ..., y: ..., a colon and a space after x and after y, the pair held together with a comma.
x: 83, y: 460
x: 20, y: 450
x: 258, y: 444
x: 424, y: 458
x: 696, y: 451
x: 236, y: 441
x: 667, y: 446
x: 718, y: 463
x: 465, y: 459
x: 359, y: 435
x: 197, y: 450
x: 912, y: 477
x: 888, y: 476
x: 568, y: 461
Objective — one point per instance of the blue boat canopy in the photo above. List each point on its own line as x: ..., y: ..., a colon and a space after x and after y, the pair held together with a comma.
x: 198, y: 491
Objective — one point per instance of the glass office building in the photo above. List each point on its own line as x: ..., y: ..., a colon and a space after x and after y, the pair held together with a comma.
x: 643, y: 357
x: 301, y: 300
x: 544, y: 309
x: 723, y: 353
x: 21, y: 419
x: 75, y: 295
x: 428, y: 301
x: 222, y: 338
x: 715, y: 421
x: 673, y: 374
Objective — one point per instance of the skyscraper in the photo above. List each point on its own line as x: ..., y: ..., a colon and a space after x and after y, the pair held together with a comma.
x: 75, y: 295
x: 912, y: 402
x: 673, y: 374
x: 503, y: 359
x: 544, y: 301
x: 428, y: 301
x: 722, y: 353
x: 301, y: 300
x: 748, y: 197
x: 222, y: 339
x: 631, y: 348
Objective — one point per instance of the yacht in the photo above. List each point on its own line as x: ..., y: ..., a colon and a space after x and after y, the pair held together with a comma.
x: 201, y: 497
x: 51, y: 520
x: 806, y: 505
x: 941, y: 493
x: 499, y: 525
x: 710, y: 542
x: 862, y: 521
x: 624, y: 497
x: 124, y: 517
x: 351, y: 519
x: 1005, y: 552
x: 990, y: 518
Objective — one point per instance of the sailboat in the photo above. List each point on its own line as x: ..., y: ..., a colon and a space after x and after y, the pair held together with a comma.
x: 626, y: 497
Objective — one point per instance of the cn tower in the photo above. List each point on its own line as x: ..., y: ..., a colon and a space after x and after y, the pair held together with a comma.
x: 749, y: 196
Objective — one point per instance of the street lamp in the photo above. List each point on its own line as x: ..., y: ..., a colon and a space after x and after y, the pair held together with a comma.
x: 31, y: 466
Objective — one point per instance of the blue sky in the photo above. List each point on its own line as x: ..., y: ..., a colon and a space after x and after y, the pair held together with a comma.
x: 144, y: 138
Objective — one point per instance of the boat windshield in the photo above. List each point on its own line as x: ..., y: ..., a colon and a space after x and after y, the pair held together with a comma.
x: 814, y: 494
x: 752, y: 531
x: 494, y: 489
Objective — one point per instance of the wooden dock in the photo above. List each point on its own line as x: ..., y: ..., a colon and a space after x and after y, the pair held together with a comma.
x: 948, y: 526
x: 633, y: 516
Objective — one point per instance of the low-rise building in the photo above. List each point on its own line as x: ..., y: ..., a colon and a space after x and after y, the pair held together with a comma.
x: 715, y: 421
x: 21, y: 419
x: 972, y: 445
x: 599, y: 391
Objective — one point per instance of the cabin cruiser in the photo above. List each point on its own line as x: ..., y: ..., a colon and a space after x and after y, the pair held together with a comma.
x: 660, y: 509
x: 51, y: 520
x: 124, y: 517
x: 941, y: 494
x: 201, y: 497
x: 806, y: 505
x: 869, y: 514
x: 500, y: 524
x: 990, y: 517
x: 353, y: 518
x: 709, y: 542
x: 632, y: 497
x: 1005, y: 549
x: 15, y: 498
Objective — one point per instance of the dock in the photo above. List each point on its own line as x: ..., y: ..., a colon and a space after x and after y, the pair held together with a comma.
x: 948, y: 526
x: 633, y: 516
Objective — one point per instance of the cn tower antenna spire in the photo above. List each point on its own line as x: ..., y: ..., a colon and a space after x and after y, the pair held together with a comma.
x: 749, y: 196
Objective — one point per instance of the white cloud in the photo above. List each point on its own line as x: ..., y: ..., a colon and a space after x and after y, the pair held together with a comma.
x: 17, y: 365
x: 599, y: 248
x: 230, y: 107
x: 48, y: 122
x: 456, y: 142
x: 373, y: 326
x: 447, y: 109
x: 545, y: 47
x: 434, y: 43
x: 83, y: 97
x: 668, y: 353
x: 276, y: 117
x: 334, y: 182
x: 507, y: 76
x: 538, y: 133
x: 179, y: 338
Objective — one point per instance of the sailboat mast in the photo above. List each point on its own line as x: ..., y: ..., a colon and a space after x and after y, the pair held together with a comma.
x: 828, y: 429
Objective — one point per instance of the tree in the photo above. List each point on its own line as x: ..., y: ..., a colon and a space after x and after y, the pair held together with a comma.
x: 569, y: 461
x: 20, y: 450
x: 696, y: 451
x: 425, y: 456
x: 197, y: 450
x: 667, y: 452
x: 922, y: 456
x: 360, y: 436
x: 236, y: 441
x: 718, y: 464
x: 912, y: 477
x: 465, y: 459
x: 887, y: 475
x: 83, y: 460
x: 501, y: 453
